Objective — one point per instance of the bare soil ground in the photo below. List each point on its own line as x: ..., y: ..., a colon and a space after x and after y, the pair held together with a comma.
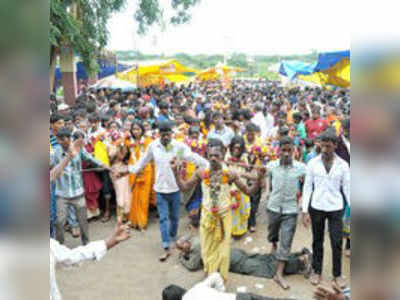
x: 132, y: 271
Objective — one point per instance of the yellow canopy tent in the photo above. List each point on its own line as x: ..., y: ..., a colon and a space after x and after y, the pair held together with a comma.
x: 217, y: 72
x: 158, y: 74
x: 208, y: 74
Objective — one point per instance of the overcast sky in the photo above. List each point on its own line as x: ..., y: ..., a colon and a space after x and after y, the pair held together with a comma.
x: 252, y: 26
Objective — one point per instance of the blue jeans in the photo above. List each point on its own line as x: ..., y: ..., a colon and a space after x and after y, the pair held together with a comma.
x: 168, y: 206
x: 53, y: 210
x: 72, y: 218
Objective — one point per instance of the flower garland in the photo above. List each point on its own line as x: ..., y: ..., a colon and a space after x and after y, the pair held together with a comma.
x: 197, y: 146
x: 236, y: 197
x: 133, y: 144
x: 214, y: 181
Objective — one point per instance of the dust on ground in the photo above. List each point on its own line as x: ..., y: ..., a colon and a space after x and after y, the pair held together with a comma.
x: 131, y: 271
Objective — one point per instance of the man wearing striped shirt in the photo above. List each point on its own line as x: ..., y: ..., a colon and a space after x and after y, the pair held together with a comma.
x: 56, y: 122
x: 69, y: 186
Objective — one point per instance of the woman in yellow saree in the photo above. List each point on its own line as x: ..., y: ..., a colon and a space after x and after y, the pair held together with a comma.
x: 142, y: 183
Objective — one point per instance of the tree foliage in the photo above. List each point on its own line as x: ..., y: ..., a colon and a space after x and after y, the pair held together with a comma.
x: 150, y: 12
x: 86, y: 31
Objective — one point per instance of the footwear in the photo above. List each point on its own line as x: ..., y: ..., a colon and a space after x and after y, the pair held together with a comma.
x: 339, y: 283
x: 106, y: 218
x: 75, y: 232
x: 67, y: 228
x: 315, y: 279
x: 307, y: 265
x: 252, y: 229
x: 165, y: 256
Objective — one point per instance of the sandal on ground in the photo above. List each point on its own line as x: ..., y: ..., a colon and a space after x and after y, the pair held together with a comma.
x: 315, y: 279
x: 307, y: 265
x: 75, y: 232
x: 165, y: 256
x: 106, y: 218
x: 339, y: 283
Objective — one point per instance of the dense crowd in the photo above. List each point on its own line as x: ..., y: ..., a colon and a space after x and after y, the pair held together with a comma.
x: 219, y: 150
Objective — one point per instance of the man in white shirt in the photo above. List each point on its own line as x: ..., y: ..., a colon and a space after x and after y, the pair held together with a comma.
x: 326, y: 177
x: 61, y: 255
x: 260, y: 120
x: 162, y: 151
x: 221, y: 131
x: 211, y: 288
x: 269, y: 123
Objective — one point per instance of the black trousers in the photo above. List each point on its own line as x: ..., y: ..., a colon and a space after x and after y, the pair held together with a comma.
x: 255, y: 202
x: 335, y: 222
x: 249, y: 296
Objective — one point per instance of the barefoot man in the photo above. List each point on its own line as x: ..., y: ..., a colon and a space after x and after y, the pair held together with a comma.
x: 216, y: 216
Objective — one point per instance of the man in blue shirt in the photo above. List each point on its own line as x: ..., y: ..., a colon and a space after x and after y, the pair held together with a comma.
x: 69, y: 190
x: 163, y: 114
x: 56, y: 122
x: 221, y: 131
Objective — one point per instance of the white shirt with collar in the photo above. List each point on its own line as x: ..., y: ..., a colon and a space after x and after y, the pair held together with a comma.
x: 225, y: 135
x: 211, y: 288
x: 269, y: 124
x: 260, y: 120
x: 165, y: 179
x: 61, y: 255
x: 322, y: 188
x: 94, y: 134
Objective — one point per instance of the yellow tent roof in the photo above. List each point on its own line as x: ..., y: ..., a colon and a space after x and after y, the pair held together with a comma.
x: 171, y: 70
x: 215, y: 73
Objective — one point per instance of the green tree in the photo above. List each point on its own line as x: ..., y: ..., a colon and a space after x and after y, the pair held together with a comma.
x: 81, y: 25
x: 150, y: 12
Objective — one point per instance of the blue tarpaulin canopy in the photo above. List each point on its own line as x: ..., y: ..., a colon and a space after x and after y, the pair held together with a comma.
x: 327, y: 63
x: 293, y: 68
x: 329, y: 59
x: 105, y: 70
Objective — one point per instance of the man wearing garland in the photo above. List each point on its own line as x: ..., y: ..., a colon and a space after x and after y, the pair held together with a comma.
x: 216, y: 216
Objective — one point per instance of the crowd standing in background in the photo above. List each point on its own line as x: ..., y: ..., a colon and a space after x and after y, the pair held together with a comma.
x: 218, y: 151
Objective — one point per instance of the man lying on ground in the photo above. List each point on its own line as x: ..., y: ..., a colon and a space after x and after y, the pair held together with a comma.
x: 259, y: 265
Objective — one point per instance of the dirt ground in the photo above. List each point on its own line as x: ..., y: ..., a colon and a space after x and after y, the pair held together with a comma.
x: 132, y: 271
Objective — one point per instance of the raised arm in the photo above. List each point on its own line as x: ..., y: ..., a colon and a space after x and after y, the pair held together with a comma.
x: 58, y: 169
x: 89, y: 158
x: 189, y: 155
x: 143, y: 161
x: 245, y: 188
x: 182, y: 184
x: 92, y: 251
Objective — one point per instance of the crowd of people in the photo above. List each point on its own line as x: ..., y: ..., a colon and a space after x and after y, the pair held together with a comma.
x: 218, y: 150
